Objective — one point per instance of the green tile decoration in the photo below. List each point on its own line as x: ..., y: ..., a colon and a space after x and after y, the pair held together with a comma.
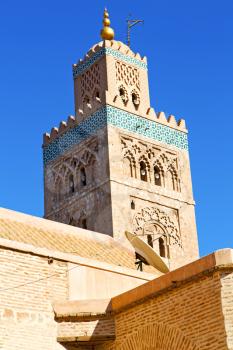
x: 109, y: 115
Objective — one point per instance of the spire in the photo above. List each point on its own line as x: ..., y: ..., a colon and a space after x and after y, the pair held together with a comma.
x: 107, y: 33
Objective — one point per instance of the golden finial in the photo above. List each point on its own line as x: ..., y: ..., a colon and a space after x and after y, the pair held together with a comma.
x: 107, y: 33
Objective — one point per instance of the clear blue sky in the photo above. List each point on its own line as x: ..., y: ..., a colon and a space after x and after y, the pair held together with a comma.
x: 189, y: 45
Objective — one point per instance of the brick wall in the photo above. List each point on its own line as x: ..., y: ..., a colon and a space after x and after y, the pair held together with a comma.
x: 187, y: 317
x: 227, y: 305
x: 26, y: 315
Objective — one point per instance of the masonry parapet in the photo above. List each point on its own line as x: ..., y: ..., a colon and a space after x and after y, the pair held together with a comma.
x: 159, y: 117
x: 108, y: 47
x: 58, y: 131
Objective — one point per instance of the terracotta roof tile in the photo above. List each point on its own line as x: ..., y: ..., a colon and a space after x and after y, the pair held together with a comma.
x: 68, y: 239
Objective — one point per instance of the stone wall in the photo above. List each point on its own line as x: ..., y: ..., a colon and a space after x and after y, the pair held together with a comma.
x: 174, y: 314
x: 145, y: 208
x: 227, y: 307
x: 189, y: 314
x: 26, y: 314
x: 34, y: 279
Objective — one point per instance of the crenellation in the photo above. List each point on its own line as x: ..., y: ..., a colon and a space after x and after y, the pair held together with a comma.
x: 160, y: 117
x: 172, y: 121
x: 53, y: 133
x: 56, y: 132
x: 62, y: 127
x: 112, y: 103
x: 73, y: 280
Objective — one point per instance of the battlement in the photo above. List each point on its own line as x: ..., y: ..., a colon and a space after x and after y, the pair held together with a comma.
x: 58, y: 131
x: 110, y: 115
x: 114, y: 48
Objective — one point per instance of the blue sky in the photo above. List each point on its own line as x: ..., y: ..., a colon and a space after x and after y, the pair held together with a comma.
x: 190, y: 54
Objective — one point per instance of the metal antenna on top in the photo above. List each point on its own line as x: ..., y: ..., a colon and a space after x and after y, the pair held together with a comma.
x: 130, y: 24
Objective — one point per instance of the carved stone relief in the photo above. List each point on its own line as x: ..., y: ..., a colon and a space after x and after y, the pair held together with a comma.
x: 156, y: 223
x: 157, y: 162
x: 73, y: 173
x: 90, y: 80
x: 127, y: 74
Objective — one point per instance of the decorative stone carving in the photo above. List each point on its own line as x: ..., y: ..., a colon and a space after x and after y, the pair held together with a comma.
x: 109, y: 115
x: 165, y: 161
x: 68, y: 170
x: 128, y: 75
x: 90, y: 80
x: 155, y: 222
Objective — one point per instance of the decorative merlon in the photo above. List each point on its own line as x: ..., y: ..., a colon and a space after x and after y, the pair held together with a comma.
x: 64, y: 138
x: 56, y: 132
x: 160, y: 117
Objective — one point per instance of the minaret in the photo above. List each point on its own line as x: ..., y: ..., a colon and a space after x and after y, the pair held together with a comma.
x: 117, y: 165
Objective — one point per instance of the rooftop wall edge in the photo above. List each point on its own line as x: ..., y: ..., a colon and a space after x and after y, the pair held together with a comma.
x: 221, y: 259
x: 28, y: 248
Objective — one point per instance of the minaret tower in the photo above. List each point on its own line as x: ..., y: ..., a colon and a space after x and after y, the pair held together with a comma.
x: 117, y: 165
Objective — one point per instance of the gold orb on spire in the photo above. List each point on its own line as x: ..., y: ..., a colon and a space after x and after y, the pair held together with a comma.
x: 107, y: 33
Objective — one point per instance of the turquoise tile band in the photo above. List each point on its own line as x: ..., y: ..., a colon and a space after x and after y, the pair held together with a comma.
x: 109, y: 115
x: 147, y: 128
x: 81, y: 67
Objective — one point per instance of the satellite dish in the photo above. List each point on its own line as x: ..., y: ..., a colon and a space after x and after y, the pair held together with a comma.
x: 144, y: 250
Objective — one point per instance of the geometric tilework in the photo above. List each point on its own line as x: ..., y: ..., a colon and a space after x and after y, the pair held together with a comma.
x: 109, y: 115
x: 75, y: 135
x: 81, y: 67
x: 147, y: 128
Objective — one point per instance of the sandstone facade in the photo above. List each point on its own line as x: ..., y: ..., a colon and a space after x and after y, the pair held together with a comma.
x: 70, y: 281
x: 117, y: 165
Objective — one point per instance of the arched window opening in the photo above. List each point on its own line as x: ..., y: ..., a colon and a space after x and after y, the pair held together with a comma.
x: 72, y: 222
x: 83, y: 177
x: 170, y: 181
x: 157, y: 176
x: 128, y: 168
x: 135, y: 100
x: 59, y: 189
x: 150, y: 240
x: 87, y: 102
x: 132, y: 205
x: 97, y: 95
x: 123, y: 94
x: 143, y: 171
x: 71, y: 184
x: 84, y: 223
x: 162, y: 250
x: 86, y: 99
